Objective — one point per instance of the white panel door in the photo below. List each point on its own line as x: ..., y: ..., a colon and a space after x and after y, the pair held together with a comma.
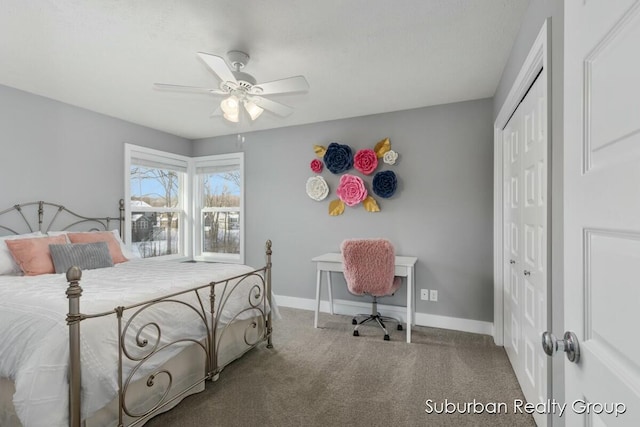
x: 525, y: 297
x: 602, y: 210
x: 512, y: 150
x: 534, y: 244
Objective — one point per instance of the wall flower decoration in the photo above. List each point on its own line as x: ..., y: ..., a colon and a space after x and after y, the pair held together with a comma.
x: 338, y: 158
x: 351, y: 189
x: 316, y: 165
x: 382, y: 147
x: 385, y: 184
x: 319, y: 150
x: 370, y: 204
x: 336, y: 207
x: 390, y: 157
x: 317, y: 188
x: 365, y: 161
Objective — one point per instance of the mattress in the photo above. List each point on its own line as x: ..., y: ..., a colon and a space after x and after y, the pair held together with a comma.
x: 34, y: 336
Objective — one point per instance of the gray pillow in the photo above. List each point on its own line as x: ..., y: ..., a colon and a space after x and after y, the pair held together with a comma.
x: 87, y: 256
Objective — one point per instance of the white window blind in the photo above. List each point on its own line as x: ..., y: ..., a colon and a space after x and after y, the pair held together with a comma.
x: 155, y: 161
x: 216, y: 168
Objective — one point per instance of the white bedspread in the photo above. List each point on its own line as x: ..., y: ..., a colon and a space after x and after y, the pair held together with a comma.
x: 34, y: 349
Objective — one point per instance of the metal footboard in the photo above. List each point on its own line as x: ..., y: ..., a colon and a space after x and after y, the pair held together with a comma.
x: 135, y: 350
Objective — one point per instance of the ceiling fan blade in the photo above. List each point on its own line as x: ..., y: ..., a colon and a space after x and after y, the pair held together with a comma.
x: 291, y: 84
x: 219, y: 66
x: 273, y: 106
x: 189, y: 88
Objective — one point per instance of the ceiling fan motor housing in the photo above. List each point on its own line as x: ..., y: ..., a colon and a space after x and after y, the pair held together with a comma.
x: 238, y: 59
x: 244, y: 80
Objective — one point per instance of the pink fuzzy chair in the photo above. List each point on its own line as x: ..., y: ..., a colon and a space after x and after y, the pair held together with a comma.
x: 369, y: 266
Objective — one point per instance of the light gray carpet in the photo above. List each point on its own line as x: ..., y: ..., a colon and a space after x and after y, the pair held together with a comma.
x: 327, y: 377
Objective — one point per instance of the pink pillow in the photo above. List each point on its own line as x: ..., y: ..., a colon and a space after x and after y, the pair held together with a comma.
x: 33, y: 256
x: 100, y: 236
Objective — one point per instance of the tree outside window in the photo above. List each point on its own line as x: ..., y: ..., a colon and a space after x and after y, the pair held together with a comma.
x: 221, y: 212
x: 155, y: 210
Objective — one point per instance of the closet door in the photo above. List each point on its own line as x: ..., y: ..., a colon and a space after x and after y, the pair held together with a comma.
x: 513, y: 237
x: 525, y: 297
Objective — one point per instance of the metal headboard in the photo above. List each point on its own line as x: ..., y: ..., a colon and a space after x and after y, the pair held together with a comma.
x: 20, y: 214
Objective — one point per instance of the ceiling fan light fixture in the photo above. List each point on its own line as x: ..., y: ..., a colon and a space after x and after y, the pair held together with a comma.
x: 253, y: 110
x: 231, y: 117
x: 230, y: 105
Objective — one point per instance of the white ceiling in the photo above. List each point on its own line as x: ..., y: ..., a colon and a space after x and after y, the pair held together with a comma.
x: 360, y: 57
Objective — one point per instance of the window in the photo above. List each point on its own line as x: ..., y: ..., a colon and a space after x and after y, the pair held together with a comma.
x: 156, y: 187
x: 219, y: 207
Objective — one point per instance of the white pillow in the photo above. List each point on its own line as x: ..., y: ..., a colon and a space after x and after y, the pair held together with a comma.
x: 126, y: 249
x: 7, y: 263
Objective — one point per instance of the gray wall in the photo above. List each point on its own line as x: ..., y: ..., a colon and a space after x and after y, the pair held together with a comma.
x: 56, y: 152
x: 441, y: 213
x: 538, y: 11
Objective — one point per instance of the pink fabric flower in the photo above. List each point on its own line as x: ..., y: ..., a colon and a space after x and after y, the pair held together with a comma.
x: 316, y: 165
x: 365, y: 161
x: 351, y: 189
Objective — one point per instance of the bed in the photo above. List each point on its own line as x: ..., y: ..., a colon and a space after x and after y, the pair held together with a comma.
x: 117, y: 345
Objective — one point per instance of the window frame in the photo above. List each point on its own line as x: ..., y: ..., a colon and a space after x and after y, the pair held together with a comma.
x: 230, y: 159
x: 171, y: 161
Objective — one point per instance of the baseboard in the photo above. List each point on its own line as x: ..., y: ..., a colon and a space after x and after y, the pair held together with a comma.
x: 351, y: 308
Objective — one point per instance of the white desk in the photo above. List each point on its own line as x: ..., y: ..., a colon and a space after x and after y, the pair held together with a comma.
x: 333, y: 262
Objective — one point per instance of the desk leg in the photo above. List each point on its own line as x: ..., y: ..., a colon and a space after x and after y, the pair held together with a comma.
x: 318, y: 280
x: 410, y: 293
x: 330, y: 295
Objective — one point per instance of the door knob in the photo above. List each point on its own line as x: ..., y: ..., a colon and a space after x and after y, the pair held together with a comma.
x: 569, y: 345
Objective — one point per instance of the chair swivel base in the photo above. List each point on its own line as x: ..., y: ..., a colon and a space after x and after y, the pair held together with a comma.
x: 379, y: 320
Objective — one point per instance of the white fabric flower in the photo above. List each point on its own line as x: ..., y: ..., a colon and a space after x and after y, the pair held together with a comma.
x: 317, y: 188
x: 390, y: 157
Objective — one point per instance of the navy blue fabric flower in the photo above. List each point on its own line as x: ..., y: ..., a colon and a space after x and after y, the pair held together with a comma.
x: 338, y: 158
x: 385, y: 184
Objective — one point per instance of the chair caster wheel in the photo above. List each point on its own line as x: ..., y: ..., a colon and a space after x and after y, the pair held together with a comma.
x: 354, y: 321
x: 386, y: 337
x: 356, y: 333
x: 399, y: 327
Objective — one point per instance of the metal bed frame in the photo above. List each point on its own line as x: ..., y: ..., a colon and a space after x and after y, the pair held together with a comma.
x: 259, y: 305
x: 103, y: 223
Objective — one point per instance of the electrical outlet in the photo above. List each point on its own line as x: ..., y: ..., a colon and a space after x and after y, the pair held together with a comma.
x: 433, y: 295
x: 424, y: 294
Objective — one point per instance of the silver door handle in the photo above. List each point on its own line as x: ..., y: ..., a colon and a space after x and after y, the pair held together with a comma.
x: 569, y: 345
x: 527, y: 273
x: 511, y: 261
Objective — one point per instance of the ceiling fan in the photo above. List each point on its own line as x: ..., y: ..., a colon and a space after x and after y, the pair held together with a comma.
x: 240, y: 88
